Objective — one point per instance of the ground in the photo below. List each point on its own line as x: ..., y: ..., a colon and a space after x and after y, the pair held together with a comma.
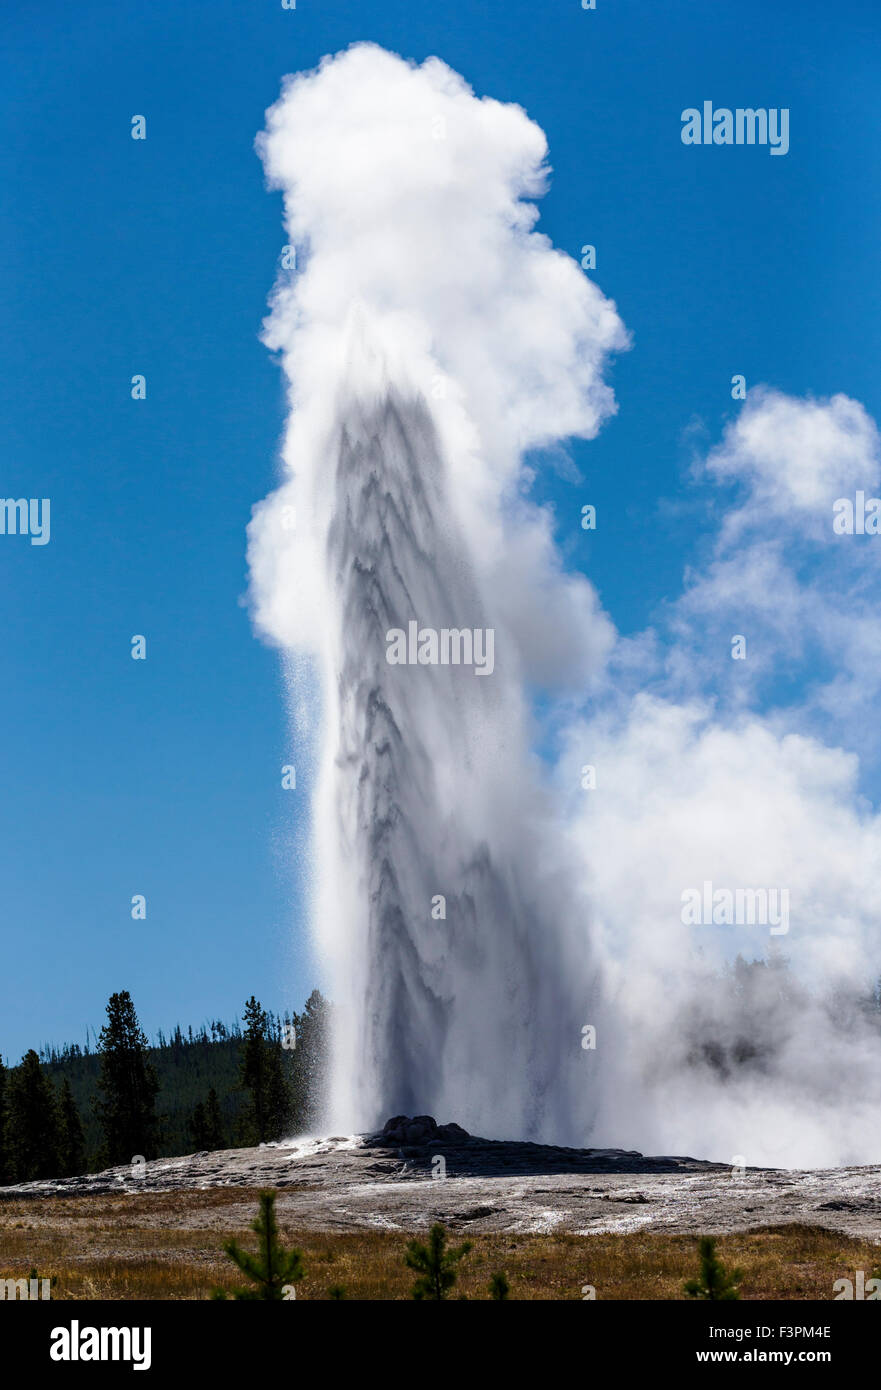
x: 555, y: 1220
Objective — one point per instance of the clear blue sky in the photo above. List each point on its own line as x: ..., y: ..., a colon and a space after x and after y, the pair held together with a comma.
x: 163, y: 777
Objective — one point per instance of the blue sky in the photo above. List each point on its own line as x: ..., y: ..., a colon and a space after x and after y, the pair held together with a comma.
x: 163, y: 777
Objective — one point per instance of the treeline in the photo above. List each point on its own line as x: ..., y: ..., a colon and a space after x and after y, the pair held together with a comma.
x: 79, y: 1109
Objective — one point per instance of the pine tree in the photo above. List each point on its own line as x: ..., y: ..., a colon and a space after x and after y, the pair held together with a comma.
x: 5, y: 1175
x: 499, y: 1288
x: 273, y: 1270
x: 197, y: 1127
x: 32, y: 1126
x: 436, y: 1265
x: 254, y: 1077
x: 277, y: 1097
x: 714, y: 1282
x: 128, y: 1085
x: 72, y: 1144
x: 262, y: 1075
x: 216, y: 1138
x: 309, y: 1060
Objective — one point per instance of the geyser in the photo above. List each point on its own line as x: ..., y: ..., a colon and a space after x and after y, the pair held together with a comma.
x: 430, y: 337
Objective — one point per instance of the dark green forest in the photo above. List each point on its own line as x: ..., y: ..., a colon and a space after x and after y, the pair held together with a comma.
x: 78, y: 1109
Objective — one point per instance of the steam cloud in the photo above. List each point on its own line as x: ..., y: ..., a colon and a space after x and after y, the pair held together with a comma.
x: 431, y: 337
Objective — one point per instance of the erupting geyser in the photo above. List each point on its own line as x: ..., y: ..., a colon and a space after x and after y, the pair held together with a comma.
x: 430, y: 337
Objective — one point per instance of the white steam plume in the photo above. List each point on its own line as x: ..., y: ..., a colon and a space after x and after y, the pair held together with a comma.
x: 702, y: 778
x: 430, y: 337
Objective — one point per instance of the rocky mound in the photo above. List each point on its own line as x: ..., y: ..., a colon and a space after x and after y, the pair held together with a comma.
x: 416, y: 1140
x: 416, y: 1132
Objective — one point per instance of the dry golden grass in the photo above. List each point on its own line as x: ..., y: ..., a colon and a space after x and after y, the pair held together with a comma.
x: 169, y: 1246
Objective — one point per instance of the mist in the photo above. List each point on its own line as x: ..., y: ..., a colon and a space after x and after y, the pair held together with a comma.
x: 476, y: 910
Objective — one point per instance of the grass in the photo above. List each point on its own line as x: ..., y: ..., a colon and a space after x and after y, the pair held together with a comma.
x: 169, y: 1246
